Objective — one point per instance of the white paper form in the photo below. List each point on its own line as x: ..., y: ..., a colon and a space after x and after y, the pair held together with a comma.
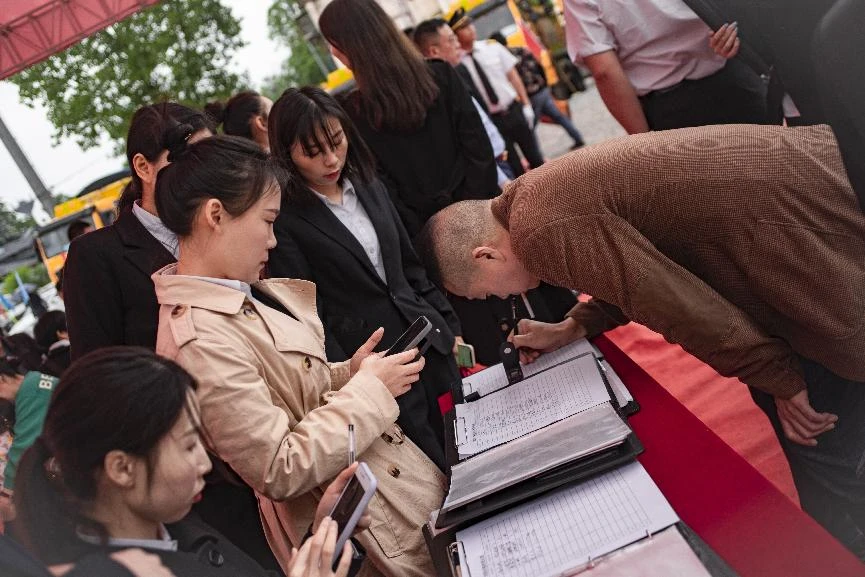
x: 586, y: 433
x: 561, y: 531
x: 529, y: 405
x: 494, y: 378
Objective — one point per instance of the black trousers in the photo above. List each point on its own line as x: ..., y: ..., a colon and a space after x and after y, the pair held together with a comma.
x: 733, y: 95
x: 830, y: 477
x: 516, y: 131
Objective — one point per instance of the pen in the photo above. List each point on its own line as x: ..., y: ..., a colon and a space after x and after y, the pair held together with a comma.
x: 514, y: 315
x: 352, y: 449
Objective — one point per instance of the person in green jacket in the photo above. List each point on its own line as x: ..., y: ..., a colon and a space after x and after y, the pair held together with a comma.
x: 28, y: 395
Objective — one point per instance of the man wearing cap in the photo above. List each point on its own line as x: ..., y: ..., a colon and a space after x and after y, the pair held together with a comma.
x: 654, y: 68
x: 493, y: 72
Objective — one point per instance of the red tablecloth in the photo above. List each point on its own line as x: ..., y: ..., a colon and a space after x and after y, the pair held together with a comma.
x: 749, y: 523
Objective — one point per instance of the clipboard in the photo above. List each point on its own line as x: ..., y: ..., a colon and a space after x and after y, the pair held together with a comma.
x: 445, y: 553
x: 565, y: 474
x: 631, y: 407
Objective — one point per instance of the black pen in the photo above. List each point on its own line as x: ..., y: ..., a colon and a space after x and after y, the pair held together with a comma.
x: 514, y: 315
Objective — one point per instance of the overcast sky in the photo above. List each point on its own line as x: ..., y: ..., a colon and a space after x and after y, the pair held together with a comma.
x: 66, y: 168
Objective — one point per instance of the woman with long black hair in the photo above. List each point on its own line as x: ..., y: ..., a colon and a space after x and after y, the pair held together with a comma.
x: 339, y: 229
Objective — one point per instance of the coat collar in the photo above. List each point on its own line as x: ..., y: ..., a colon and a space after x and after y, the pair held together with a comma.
x: 298, y: 296
x: 321, y: 217
x: 143, y: 251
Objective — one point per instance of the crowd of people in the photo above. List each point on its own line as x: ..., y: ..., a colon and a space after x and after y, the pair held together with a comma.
x: 231, y: 324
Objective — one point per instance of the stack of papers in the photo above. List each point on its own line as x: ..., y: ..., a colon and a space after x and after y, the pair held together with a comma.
x: 564, y: 531
x: 531, y: 404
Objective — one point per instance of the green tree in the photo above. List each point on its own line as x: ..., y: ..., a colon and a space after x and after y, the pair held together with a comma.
x: 178, y: 50
x: 305, y: 62
x: 33, y: 274
x: 12, y: 225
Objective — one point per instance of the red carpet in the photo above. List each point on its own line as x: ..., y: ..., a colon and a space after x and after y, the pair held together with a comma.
x: 723, y: 404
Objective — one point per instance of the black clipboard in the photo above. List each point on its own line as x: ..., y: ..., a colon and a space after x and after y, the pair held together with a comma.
x: 565, y: 474
x: 443, y: 546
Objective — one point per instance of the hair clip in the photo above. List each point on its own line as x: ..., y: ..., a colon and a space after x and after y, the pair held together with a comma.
x: 52, y: 468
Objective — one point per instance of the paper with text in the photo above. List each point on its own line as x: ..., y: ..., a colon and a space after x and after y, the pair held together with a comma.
x: 559, y: 532
x: 529, y: 405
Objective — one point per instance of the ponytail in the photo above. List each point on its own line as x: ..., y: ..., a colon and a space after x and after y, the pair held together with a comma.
x: 46, y: 521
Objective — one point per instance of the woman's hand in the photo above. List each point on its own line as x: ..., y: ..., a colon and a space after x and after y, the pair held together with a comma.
x: 365, y: 350
x: 397, y: 372
x: 331, y: 496
x: 316, y: 554
x: 725, y: 40
x: 458, y: 340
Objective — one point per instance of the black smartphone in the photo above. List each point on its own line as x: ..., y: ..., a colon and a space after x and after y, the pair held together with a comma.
x: 411, y: 337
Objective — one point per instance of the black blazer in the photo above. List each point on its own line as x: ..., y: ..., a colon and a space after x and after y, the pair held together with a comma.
x: 449, y: 158
x: 15, y: 561
x: 107, y: 288
x: 201, y: 552
x: 353, y: 300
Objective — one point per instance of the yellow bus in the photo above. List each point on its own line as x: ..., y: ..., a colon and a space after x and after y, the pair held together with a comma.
x: 96, y: 204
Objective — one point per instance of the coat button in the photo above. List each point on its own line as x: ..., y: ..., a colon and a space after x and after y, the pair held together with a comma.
x: 307, y: 364
x: 249, y: 313
x: 215, y: 558
x: 178, y: 310
x: 394, y: 471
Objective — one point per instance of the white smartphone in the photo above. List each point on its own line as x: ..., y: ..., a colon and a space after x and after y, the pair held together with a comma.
x: 350, y: 506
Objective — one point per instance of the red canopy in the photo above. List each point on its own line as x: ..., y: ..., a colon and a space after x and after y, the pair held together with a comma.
x: 33, y: 30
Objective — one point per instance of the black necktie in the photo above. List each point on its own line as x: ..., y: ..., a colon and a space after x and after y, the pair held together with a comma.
x: 488, y: 88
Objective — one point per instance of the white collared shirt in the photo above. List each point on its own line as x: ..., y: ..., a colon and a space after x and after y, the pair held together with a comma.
x: 157, y: 229
x: 497, y: 61
x: 355, y: 218
x: 237, y: 285
x: 658, y: 42
x: 163, y: 543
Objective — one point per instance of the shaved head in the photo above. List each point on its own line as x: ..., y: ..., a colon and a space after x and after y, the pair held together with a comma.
x: 446, y: 242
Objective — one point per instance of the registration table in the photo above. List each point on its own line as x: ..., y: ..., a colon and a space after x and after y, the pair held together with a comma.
x: 755, y: 528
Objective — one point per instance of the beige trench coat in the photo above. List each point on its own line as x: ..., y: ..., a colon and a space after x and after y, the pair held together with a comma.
x: 277, y: 412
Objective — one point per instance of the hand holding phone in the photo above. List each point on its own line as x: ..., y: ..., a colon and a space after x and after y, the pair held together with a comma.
x: 352, y: 504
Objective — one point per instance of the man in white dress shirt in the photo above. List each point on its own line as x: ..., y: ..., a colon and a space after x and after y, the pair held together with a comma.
x: 654, y: 68
x: 493, y: 72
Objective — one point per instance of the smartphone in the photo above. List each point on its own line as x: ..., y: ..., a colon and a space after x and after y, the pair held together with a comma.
x: 411, y: 337
x: 466, y: 356
x: 350, y: 506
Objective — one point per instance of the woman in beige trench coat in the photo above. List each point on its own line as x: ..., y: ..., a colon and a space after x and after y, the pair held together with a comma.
x: 272, y: 407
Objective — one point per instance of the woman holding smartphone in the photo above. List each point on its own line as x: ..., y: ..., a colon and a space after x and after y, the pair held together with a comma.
x: 120, y: 464
x: 272, y: 407
x: 339, y: 229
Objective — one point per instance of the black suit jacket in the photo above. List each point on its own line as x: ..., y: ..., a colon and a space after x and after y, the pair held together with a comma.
x: 107, y: 288
x: 352, y: 299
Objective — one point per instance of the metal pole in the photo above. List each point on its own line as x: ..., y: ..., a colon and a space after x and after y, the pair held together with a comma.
x: 26, y: 168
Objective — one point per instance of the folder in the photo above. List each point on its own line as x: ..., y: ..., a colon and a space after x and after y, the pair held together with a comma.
x: 559, y: 459
x: 613, y: 522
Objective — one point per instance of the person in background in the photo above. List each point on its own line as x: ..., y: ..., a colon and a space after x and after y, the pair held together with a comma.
x: 435, y: 40
x: 654, y: 68
x: 272, y: 406
x: 73, y: 231
x: 535, y: 80
x: 493, y: 71
x: 77, y: 228
x: 25, y: 398
x: 23, y: 351
x: 53, y: 338
x: 339, y: 229
x: 244, y: 114
x: 107, y: 288
x: 416, y: 117
x: 120, y: 464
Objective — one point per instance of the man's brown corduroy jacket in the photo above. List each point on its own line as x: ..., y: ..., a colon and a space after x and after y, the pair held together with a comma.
x: 744, y: 244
